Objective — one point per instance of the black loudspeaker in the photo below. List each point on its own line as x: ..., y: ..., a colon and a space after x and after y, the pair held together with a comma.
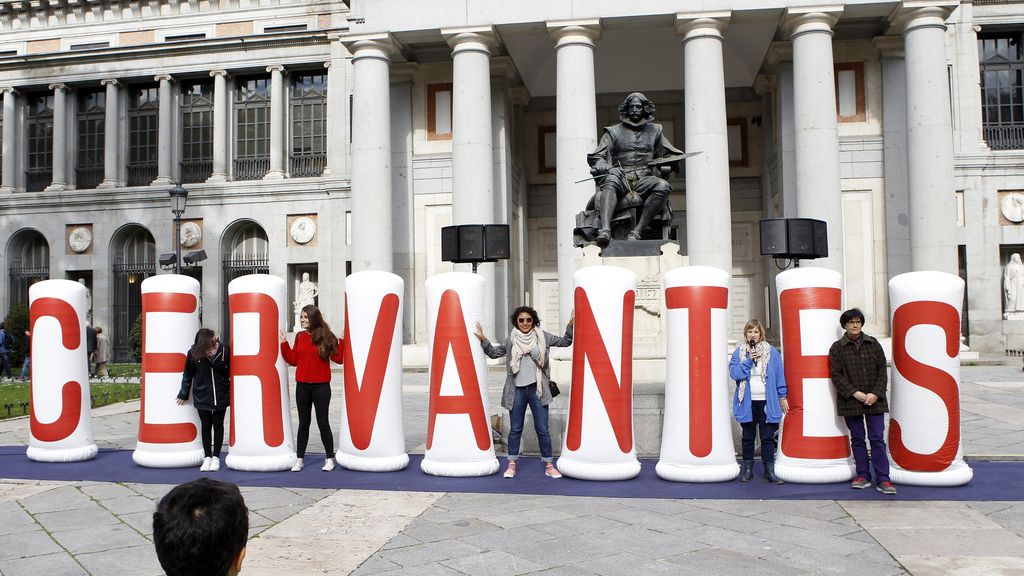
x: 450, y: 243
x: 475, y: 243
x: 496, y: 242
x: 471, y: 243
x: 797, y: 238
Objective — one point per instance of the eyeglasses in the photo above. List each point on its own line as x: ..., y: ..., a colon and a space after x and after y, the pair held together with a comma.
x: 524, y: 320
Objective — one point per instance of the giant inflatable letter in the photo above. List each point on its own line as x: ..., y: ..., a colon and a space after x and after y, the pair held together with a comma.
x: 458, y: 437
x: 60, y: 429
x: 261, y: 425
x: 598, y: 441
x: 168, y: 433
x: 696, y: 441
x: 924, y: 425
x: 814, y: 446
x: 372, y: 438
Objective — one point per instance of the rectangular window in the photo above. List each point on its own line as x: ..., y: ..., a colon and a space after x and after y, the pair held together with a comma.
x: 90, y: 117
x: 287, y: 28
x: 252, y: 128
x: 196, y: 131
x: 849, y: 77
x: 736, y: 129
x: 1002, y: 89
x: 309, y: 125
x: 439, y: 111
x: 39, y: 140
x: 185, y: 37
x: 143, y: 134
x: 89, y: 46
x: 546, y: 149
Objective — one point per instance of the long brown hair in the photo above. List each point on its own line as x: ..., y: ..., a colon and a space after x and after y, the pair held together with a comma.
x: 204, y: 340
x: 325, y: 340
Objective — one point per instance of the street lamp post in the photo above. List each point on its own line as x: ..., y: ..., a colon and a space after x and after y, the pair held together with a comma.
x: 179, y: 196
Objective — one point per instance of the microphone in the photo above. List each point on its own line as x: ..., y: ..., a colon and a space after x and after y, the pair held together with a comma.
x: 752, y: 343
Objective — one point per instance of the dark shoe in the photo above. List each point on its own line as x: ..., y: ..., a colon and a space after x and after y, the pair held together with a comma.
x: 769, y: 473
x: 886, y: 488
x: 746, y: 470
x: 604, y: 236
x: 860, y: 483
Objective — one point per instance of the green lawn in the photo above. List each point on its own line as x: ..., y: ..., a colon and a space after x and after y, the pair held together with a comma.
x: 14, y: 396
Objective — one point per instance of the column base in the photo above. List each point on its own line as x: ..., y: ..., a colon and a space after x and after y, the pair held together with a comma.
x: 162, y: 181
x: 274, y: 175
x: 7, y: 189
x: 110, y: 184
x: 56, y: 187
x: 217, y: 178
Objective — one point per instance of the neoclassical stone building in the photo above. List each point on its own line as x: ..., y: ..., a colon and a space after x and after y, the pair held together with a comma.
x: 324, y: 137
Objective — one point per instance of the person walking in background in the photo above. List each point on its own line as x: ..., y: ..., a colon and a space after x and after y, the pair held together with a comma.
x: 6, y: 347
x: 102, y: 353
x: 760, y: 398
x: 90, y: 348
x: 857, y: 366
x: 26, y: 365
x: 315, y: 347
x: 528, y: 372
x: 206, y: 376
x: 201, y: 527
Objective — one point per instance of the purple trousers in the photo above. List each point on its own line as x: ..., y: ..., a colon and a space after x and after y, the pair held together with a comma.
x: 875, y: 435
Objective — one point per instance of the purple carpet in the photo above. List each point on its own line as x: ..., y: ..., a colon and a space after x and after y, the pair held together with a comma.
x: 992, y: 480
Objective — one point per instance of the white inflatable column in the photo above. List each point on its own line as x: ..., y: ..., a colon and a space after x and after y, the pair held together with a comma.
x: 372, y: 437
x: 598, y: 440
x: 168, y: 433
x: 924, y: 426
x: 696, y: 441
x: 261, y: 426
x: 458, y: 434
x: 814, y: 446
x: 60, y: 429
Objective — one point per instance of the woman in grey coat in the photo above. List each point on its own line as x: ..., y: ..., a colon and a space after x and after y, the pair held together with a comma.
x: 528, y: 369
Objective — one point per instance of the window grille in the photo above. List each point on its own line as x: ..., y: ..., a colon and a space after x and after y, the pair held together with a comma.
x: 249, y: 254
x: 39, y: 121
x: 1002, y: 89
x: 30, y: 264
x: 309, y: 125
x: 143, y: 134
x: 134, y: 262
x: 252, y: 129
x: 196, y: 132
x: 92, y: 106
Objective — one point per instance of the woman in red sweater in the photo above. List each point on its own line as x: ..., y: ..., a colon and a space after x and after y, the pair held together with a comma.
x: 314, y: 349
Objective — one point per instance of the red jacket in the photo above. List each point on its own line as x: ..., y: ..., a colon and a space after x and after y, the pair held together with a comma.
x: 311, y: 369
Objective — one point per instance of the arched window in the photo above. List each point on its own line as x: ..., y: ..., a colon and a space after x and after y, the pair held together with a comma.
x: 246, y: 251
x: 134, y: 260
x: 28, y: 260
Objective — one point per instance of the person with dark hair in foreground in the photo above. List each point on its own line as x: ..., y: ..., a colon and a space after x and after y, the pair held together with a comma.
x: 200, y: 529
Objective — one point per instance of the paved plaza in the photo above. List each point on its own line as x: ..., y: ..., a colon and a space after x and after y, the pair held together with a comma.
x: 104, y: 528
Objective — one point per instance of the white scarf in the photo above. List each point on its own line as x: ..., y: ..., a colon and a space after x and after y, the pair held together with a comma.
x: 760, y: 368
x: 522, y: 344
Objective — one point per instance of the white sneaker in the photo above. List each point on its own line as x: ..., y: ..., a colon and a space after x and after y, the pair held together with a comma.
x: 207, y: 462
x: 328, y: 465
x: 214, y: 464
x: 297, y: 467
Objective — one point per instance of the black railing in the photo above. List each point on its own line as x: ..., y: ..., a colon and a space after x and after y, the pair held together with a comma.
x: 1005, y: 136
x: 36, y: 180
x: 236, y: 268
x: 88, y: 177
x: 127, y: 280
x: 251, y: 168
x: 21, y: 278
x: 307, y: 165
x: 196, y: 171
x: 141, y: 174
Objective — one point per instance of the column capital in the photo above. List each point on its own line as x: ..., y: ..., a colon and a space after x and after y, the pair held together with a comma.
x: 913, y: 14
x: 472, y: 39
x: 8, y: 90
x: 218, y: 72
x: 163, y: 78
x: 404, y: 72
x: 779, y: 52
x: 692, y: 25
x: 276, y: 68
x: 889, y: 47
x: 569, y: 32
x: 763, y: 84
x: 58, y: 86
x: 519, y: 95
x: 109, y: 82
x: 812, y: 19
x: 381, y: 46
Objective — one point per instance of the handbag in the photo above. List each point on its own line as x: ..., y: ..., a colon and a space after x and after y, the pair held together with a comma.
x: 552, y: 385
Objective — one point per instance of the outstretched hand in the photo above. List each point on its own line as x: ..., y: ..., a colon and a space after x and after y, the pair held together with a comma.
x: 480, y: 332
x: 282, y: 336
x: 572, y: 318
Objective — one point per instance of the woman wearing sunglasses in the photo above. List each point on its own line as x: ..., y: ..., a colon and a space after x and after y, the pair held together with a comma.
x: 528, y: 369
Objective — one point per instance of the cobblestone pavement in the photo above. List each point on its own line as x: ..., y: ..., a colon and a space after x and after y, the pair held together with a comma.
x: 96, y: 528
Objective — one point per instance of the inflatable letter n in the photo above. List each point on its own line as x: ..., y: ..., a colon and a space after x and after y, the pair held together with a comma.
x: 168, y: 433
x: 598, y: 443
x: 696, y: 442
x: 372, y: 438
x: 458, y: 435
x: 924, y: 425
x: 814, y: 447
x: 261, y: 427
x: 60, y: 429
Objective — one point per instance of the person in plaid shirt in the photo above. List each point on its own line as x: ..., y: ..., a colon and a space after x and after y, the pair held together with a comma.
x: 857, y: 367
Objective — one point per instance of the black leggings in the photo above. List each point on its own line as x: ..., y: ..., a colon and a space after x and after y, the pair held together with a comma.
x: 212, y: 420
x: 306, y: 397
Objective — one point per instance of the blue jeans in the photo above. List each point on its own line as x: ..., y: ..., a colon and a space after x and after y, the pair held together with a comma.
x: 25, y: 368
x: 5, y: 363
x: 875, y: 435
x: 527, y: 395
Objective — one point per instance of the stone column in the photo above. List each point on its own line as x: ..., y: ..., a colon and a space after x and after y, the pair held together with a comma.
x: 8, y: 184
x: 708, y: 207
x: 332, y: 122
x: 818, y: 192
x: 472, y: 140
x: 60, y: 137
x: 111, y: 135
x: 967, y: 83
x: 371, y: 152
x: 575, y: 137
x: 220, y: 126
x: 165, y: 138
x: 277, y: 129
x: 929, y: 140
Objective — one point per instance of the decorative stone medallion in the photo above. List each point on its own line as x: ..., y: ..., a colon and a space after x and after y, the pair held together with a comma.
x: 80, y: 239
x: 1012, y: 207
x: 191, y: 234
x: 302, y: 230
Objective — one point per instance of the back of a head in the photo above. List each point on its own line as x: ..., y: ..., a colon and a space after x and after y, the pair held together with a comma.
x: 200, y: 527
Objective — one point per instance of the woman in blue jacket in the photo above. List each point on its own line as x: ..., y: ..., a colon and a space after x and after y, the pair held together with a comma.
x: 760, y: 399
x: 207, y: 377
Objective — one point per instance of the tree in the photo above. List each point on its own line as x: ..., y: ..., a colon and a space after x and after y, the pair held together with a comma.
x: 17, y: 322
x: 135, y: 339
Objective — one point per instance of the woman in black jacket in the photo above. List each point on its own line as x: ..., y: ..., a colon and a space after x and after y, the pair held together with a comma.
x: 206, y: 374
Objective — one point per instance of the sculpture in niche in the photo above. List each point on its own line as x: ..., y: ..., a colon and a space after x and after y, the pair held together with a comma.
x: 88, y: 301
x: 305, y: 295
x: 1013, y: 288
x: 302, y: 230
x: 191, y: 234
x: 630, y: 167
x: 1012, y: 207
x: 80, y: 239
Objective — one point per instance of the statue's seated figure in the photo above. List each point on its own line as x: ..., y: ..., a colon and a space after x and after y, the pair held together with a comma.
x: 630, y: 166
